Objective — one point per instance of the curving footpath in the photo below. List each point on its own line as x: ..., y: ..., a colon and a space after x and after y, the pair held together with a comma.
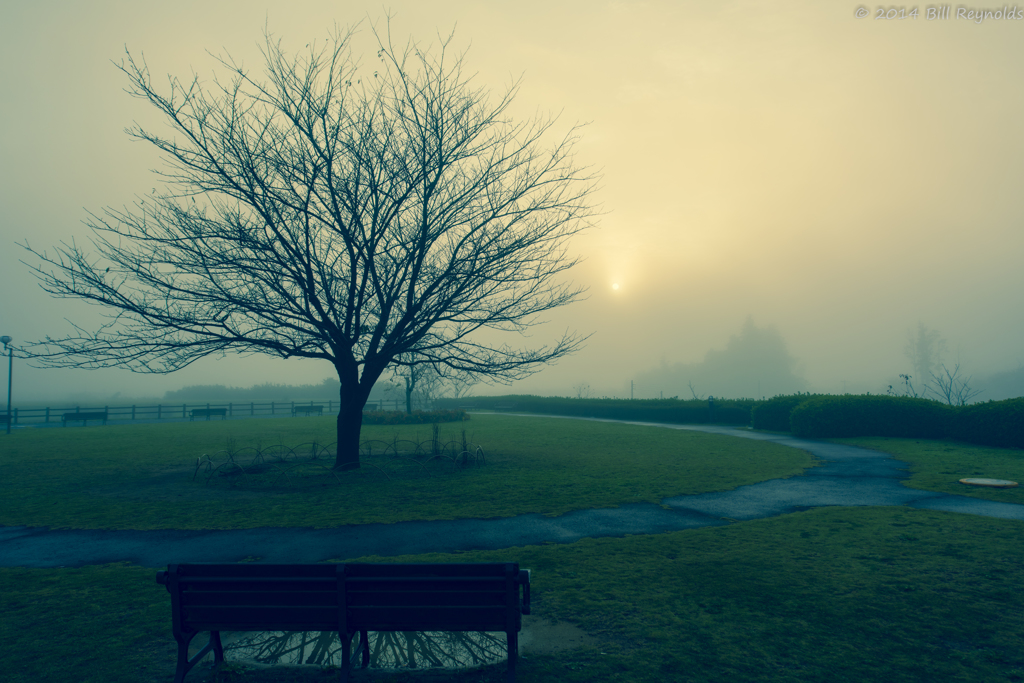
x: 848, y: 476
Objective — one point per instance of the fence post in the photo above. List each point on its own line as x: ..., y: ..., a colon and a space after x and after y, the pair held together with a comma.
x: 252, y: 409
x: 159, y: 406
x: 271, y: 407
x: 229, y: 408
x: 183, y: 410
x: 47, y: 415
x: 133, y: 411
x: 329, y: 406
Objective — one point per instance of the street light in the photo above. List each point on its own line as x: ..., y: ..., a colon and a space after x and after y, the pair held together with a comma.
x: 10, y: 365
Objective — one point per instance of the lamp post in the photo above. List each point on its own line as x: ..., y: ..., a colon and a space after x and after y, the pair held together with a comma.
x: 10, y: 366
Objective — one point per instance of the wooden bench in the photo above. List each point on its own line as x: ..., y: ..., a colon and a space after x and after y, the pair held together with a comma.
x: 84, y: 417
x: 346, y: 598
x: 207, y: 413
x: 308, y: 410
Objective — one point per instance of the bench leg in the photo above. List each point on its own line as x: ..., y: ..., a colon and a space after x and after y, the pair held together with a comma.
x: 218, y: 649
x: 512, y: 647
x: 346, y: 658
x: 185, y: 664
x: 365, y: 647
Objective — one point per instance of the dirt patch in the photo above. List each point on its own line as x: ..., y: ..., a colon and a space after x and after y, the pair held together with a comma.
x: 545, y: 636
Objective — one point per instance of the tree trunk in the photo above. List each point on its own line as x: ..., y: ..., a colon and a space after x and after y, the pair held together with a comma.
x: 408, y: 395
x: 350, y: 422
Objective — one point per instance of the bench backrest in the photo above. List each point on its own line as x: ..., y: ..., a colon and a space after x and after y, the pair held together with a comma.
x: 252, y: 597
x: 432, y: 597
x: 371, y: 597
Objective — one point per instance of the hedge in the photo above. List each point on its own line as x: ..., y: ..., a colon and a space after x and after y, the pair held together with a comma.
x: 670, y: 410
x: 995, y: 423
x: 846, y: 416
x: 773, y: 414
x: 388, y: 417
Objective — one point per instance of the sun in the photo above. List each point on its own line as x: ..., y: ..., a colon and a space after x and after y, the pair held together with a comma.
x: 615, y: 285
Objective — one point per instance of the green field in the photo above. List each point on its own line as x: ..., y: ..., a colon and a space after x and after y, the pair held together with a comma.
x: 940, y: 465
x: 141, y: 476
x: 828, y: 594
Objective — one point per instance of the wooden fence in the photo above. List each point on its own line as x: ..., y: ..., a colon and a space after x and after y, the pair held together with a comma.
x: 179, y: 411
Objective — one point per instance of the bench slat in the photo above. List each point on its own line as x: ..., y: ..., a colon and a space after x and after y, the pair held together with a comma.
x: 455, y: 599
x: 420, y: 585
x: 268, y: 617
x: 295, y: 585
x: 324, y: 571
x: 298, y: 598
x: 369, y: 571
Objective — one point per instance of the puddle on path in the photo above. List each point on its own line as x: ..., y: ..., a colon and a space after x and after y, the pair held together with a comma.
x: 400, y: 650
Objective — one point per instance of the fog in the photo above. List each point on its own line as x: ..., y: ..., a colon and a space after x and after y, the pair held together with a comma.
x: 783, y: 172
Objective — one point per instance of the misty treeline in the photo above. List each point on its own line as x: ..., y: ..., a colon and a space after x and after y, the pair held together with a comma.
x: 327, y: 390
x: 754, y: 363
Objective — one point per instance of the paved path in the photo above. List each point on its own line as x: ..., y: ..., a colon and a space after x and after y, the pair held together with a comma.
x: 849, y: 476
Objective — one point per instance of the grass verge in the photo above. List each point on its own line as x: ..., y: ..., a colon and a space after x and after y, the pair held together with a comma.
x: 940, y: 465
x: 140, y: 476
x: 825, y: 595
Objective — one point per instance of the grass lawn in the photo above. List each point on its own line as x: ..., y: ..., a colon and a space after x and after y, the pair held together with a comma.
x: 826, y: 595
x: 141, y: 476
x: 940, y: 465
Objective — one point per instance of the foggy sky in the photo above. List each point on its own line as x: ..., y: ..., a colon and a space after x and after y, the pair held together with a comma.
x: 835, y: 178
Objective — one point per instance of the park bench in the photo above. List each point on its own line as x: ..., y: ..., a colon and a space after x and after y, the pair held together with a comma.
x: 345, y: 598
x: 84, y: 417
x: 308, y: 410
x: 207, y: 413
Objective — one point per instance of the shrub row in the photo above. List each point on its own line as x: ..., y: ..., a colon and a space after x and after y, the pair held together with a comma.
x: 845, y: 416
x: 389, y: 417
x: 718, y: 411
x: 773, y: 414
x: 995, y: 423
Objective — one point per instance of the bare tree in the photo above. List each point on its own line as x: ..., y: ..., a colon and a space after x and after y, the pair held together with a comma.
x: 459, y: 386
x: 693, y: 390
x: 952, y: 387
x: 416, y: 377
x: 332, y: 213
x: 582, y: 390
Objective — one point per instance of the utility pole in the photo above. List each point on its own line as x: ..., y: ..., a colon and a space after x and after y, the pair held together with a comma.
x: 10, y: 366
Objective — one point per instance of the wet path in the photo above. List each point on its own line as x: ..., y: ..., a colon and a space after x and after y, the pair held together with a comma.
x: 849, y: 476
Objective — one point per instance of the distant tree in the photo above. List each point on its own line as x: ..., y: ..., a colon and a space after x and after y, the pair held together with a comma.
x: 925, y: 349
x: 329, y: 213
x: 753, y: 361
x: 693, y: 392
x: 582, y: 390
